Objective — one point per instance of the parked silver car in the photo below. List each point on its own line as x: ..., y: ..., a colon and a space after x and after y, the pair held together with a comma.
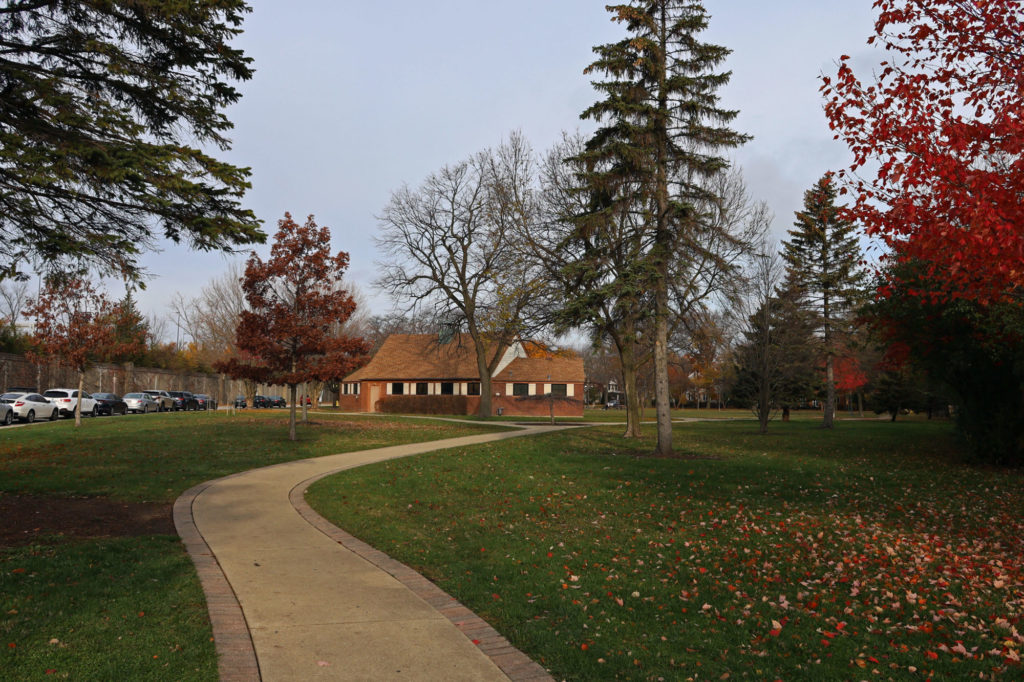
x: 30, y: 406
x: 6, y: 413
x: 165, y: 403
x: 141, y: 402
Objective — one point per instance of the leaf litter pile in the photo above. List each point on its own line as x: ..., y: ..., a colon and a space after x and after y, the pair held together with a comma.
x: 865, y: 553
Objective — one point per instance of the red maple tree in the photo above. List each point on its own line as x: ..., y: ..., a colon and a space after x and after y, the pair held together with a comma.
x: 75, y: 325
x: 941, y: 129
x: 295, y: 300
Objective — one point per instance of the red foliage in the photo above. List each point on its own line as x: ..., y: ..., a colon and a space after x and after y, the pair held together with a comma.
x: 848, y: 374
x: 943, y: 121
x: 296, y: 303
x: 75, y: 325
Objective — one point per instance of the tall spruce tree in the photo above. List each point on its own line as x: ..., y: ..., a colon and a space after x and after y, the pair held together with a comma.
x: 660, y: 138
x: 104, y: 110
x: 823, y: 263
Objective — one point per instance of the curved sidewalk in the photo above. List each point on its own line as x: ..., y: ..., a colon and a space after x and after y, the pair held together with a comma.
x: 293, y: 598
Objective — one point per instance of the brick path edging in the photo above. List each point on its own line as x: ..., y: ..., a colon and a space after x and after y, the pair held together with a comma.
x: 236, y: 655
x: 514, y: 663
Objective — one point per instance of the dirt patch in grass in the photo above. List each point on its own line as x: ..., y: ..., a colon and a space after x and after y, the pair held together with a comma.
x: 28, y: 518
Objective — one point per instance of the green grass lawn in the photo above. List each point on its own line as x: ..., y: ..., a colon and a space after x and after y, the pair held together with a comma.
x: 598, y: 414
x: 131, y: 607
x: 868, y: 551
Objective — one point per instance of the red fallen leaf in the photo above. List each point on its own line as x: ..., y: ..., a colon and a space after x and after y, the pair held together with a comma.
x: 476, y: 641
x: 50, y: 671
x: 775, y: 633
x: 141, y: 614
x: 931, y: 654
x: 12, y: 645
x: 872, y: 659
x: 18, y: 570
x: 702, y: 569
x: 584, y: 647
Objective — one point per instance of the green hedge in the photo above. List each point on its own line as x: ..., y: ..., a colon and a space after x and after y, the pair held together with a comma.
x: 424, y: 404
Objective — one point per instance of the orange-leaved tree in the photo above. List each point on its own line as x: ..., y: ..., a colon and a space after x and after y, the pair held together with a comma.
x: 939, y: 136
x: 295, y: 300
x: 75, y: 325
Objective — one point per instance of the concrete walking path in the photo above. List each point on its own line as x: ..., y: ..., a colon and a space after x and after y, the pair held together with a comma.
x: 293, y: 598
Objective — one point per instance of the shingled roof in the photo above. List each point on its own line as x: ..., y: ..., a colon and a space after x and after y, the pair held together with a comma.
x: 561, y: 369
x: 421, y: 356
x: 412, y: 357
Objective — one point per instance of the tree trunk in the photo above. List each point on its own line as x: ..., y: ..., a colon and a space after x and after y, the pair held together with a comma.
x: 664, y: 446
x: 305, y: 402
x: 627, y: 358
x: 78, y: 407
x: 830, y: 392
x: 763, y: 406
x: 292, y: 390
x: 484, y: 411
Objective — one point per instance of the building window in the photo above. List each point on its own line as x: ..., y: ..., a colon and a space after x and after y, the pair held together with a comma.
x: 559, y: 390
x: 520, y: 389
x: 397, y: 388
x: 447, y: 388
x: 421, y: 388
x: 473, y: 388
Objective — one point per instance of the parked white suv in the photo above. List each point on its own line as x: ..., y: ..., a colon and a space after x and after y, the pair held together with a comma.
x: 66, y: 398
x: 30, y: 406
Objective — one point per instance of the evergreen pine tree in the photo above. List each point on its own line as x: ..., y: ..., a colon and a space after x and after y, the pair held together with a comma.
x: 823, y: 262
x: 106, y: 112
x: 660, y: 140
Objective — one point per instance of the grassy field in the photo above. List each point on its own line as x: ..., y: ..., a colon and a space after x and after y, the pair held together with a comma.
x: 131, y: 607
x: 860, y: 553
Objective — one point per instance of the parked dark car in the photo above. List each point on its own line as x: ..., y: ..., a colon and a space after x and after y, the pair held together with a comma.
x: 240, y: 401
x: 206, y: 402
x: 110, y: 404
x: 278, y: 401
x: 183, y: 400
x: 261, y: 401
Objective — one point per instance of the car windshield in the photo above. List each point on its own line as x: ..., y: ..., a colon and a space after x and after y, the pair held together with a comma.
x: 56, y: 394
x: 104, y: 396
x: 134, y: 396
x: 11, y: 396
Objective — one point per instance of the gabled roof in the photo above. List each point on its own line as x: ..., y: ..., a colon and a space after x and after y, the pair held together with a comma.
x: 561, y: 369
x: 421, y: 356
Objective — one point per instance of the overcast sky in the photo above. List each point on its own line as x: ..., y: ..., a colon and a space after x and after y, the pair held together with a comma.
x: 350, y: 100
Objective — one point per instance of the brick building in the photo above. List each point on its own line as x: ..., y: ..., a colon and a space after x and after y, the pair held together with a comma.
x: 429, y: 373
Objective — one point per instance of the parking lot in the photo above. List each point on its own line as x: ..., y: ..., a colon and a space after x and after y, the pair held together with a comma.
x: 24, y: 406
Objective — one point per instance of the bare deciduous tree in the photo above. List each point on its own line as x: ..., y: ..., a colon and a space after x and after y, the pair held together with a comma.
x: 450, y: 247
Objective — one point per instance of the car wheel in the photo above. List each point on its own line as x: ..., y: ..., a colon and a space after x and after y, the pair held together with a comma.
x: 9, y: 417
x: 145, y: 409
x: 95, y: 412
x: 30, y: 417
x: 54, y: 415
